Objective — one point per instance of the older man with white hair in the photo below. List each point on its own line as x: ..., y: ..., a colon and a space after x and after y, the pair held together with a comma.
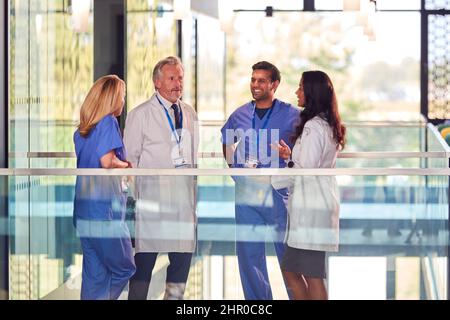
x: 163, y: 133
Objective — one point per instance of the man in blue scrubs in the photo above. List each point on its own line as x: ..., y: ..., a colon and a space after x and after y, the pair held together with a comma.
x: 260, y: 210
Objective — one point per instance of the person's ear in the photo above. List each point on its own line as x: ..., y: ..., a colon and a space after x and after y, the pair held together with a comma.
x: 275, y: 85
x: 157, y: 84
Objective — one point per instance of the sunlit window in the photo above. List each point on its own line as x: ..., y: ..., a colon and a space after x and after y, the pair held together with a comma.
x: 151, y: 36
x: 357, y: 278
x: 375, y: 78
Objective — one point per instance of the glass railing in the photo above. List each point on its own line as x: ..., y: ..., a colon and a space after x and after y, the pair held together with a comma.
x: 370, y: 136
x: 369, y: 144
x: 394, y: 212
x: 393, y: 241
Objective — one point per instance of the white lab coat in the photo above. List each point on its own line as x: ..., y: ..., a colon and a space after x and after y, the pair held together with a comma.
x: 165, y: 207
x: 313, y: 208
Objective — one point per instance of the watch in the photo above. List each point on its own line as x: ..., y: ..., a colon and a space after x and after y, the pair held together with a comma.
x: 290, y: 164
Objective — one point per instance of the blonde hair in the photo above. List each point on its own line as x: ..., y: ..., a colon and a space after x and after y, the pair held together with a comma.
x: 104, y: 98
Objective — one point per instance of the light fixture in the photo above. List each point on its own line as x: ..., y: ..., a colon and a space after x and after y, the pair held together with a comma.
x: 372, y: 21
x: 352, y: 5
x: 269, y: 11
x: 38, y: 21
x: 368, y: 6
x: 80, y: 15
x: 225, y: 15
x: 372, y: 9
x: 370, y: 33
x: 181, y: 9
x: 366, y: 15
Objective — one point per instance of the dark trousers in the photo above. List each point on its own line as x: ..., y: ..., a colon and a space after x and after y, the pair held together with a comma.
x: 177, y: 272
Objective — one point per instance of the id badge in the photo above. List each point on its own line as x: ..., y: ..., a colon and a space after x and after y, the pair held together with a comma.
x: 251, y: 162
x: 180, y: 162
x: 124, y: 184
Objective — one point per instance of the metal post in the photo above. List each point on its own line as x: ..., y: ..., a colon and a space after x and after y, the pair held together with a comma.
x: 4, y: 252
x: 309, y: 5
x: 109, y: 44
x: 179, y: 31
x: 423, y: 60
x: 196, y: 65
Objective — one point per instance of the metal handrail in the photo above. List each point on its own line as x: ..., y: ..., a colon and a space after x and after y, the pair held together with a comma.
x: 219, y: 155
x: 413, y: 123
x: 228, y: 172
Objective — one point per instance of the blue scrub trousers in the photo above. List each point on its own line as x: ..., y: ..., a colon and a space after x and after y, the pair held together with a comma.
x: 108, y: 262
x: 252, y: 254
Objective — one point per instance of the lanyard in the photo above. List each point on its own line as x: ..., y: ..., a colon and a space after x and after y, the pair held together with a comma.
x: 169, y: 119
x: 264, y: 123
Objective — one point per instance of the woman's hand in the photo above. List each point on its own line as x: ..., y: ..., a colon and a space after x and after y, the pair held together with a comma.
x: 283, y: 149
x: 110, y: 161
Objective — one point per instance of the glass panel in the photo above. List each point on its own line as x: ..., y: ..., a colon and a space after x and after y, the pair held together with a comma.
x: 438, y: 66
x: 391, y: 227
x: 350, y: 278
x: 391, y: 216
x: 19, y: 82
x: 385, y: 162
x: 4, y: 238
x: 19, y: 262
x: 407, y: 282
x: 211, y: 70
x: 381, y: 4
x: 383, y: 219
x: 384, y: 138
x: 328, y: 4
x: 435, y: 142
x: 189, y: 60
x: 362, y: 137
x: 261, y: 4
x: 151, y: 36
x: 45, y: 253
x: 398, y: 4
x: 437, y: 4
x: 336, y: 44
x: 365, y: 137
x: 51, y: 69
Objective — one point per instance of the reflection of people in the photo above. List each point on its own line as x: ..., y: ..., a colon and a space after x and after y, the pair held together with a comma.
x: 246, y: 138
x: 162, y: 133
x: 99, y: 206
x: 313, y: 201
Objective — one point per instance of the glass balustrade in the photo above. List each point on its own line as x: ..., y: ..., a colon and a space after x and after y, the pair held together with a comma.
x: 394, y: 211
x: 393, y: 237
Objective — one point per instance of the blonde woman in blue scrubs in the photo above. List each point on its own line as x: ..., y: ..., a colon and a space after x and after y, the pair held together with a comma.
x: 99, y: 206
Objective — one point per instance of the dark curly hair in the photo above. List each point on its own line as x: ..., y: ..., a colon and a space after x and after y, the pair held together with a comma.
x: 320, y: 100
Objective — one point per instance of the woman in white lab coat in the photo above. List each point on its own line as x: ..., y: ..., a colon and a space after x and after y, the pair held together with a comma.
x: 313, y: 225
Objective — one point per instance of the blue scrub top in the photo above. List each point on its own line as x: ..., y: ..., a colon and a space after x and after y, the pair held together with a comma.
x: 99, y: 197
x: 281, y: 125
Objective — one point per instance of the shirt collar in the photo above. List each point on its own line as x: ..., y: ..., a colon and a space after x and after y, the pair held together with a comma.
x: 274, y: 104
x: 166, y: 103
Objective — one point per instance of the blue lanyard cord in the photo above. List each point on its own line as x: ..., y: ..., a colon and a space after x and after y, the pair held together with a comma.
x: 264, y: 124
x: 169, y: 119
